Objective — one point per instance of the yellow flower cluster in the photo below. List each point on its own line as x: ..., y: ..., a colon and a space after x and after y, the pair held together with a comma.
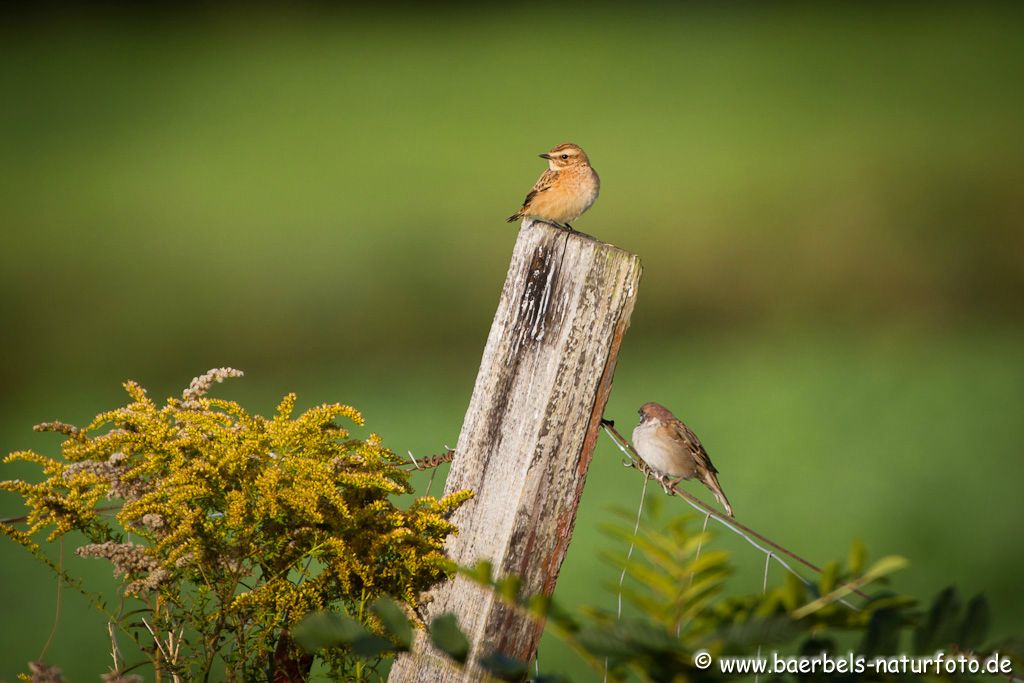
x: 262, y: 519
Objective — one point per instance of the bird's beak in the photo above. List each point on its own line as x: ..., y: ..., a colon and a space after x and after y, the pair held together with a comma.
x: 545, y: 155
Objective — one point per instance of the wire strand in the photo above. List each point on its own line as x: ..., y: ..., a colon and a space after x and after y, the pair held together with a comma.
x: 629, y: 556
x: 696, y: 556
x: 764, y: 589
x: 736, y: 527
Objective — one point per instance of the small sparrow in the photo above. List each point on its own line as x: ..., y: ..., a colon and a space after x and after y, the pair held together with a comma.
x: 672, y: 450
x: 564, y: 191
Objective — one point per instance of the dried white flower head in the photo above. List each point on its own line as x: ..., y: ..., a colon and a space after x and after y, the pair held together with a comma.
x: 201, y: 384
x: 129, y: 560
x: 45, y: 673
x: 113, y: 470
x: 117, y: 677
x: 153, y: 521
x: 59, y: 427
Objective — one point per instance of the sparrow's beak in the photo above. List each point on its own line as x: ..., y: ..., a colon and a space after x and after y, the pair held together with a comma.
x: 545, y: 155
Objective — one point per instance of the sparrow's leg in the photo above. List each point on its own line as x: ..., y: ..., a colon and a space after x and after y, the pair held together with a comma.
x: 666, y: 484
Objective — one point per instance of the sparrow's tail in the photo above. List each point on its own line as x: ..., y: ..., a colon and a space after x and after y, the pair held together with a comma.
x: 711, y: 481
x: 514, y: 217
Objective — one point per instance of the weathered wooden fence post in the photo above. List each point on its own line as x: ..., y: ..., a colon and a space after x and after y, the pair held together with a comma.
x: 529, y: 433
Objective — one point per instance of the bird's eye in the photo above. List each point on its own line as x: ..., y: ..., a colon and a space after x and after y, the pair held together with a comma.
x: 565, y: 156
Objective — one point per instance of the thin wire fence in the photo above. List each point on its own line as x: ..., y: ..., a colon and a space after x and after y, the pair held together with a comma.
x: 629, y: 555
x: 432, y: 463
x: 741, y: 530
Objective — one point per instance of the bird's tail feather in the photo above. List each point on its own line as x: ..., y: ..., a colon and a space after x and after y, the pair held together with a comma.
x: 514, y: 217
x: 711, y: 481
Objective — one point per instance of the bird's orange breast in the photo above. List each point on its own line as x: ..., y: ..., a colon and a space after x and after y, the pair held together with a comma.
x: 571, y: 195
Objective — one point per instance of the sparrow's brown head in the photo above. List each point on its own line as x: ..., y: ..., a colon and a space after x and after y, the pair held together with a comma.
x: 655, y: 411
x: 565, y: 155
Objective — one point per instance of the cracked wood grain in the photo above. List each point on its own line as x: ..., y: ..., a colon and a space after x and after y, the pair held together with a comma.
x: 529, y: 433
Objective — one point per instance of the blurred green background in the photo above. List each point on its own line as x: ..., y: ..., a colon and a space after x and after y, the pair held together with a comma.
x: 827, y: 201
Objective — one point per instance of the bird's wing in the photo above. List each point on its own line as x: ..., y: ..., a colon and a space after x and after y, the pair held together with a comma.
x: 685, y: 436
x: 543, y: 184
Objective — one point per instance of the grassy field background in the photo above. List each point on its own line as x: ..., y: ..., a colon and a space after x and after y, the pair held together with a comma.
x: 827, y: 204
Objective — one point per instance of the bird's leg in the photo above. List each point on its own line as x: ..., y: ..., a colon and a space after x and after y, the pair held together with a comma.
x: 668, y: 483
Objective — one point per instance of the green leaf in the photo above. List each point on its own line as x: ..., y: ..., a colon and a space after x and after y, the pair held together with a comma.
x: 882, y: 637
x: 793, y: 592
x: 858, y: 557
x: 699, y: 539
x: 628, y: 639
x: 974, y: 629
x: 603, y: 641
x: 648, y: 636
x: 508, y: 587
x: 762, y: 631
x: 710, y: 559
x: 371, y: 646
x: 448, y: 638
x: 887, y: 600
x: 558, y: 615
x: 884, y: 566
x: 505, y: 668
x: 481, y: 572
x: 395, y: 621
x: 815, y: 645
x: 539, y: 605
x: 829, y: 575
x: 704, y: 587
x: 940, y: 628
x: 322, y: 630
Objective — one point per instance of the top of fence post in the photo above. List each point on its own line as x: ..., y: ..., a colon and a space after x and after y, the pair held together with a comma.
x: 529, y: 434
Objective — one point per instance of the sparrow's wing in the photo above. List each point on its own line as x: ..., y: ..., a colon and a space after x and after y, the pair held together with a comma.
x: 543, y: 184
x: 686, y: 436
x: 674, y: 446
x: 705, y: 469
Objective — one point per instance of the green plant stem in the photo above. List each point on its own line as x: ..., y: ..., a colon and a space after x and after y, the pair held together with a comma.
x: 362, y: 609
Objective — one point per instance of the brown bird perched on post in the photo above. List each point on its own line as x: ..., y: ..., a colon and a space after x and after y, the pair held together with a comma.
x: 672, y: 450
x: 564, y: 191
